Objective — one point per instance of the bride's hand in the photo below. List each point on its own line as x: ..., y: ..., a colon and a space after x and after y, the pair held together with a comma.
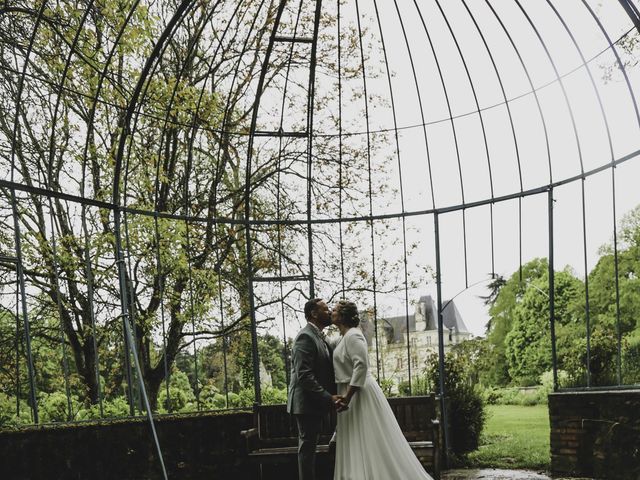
x: 339, y: 403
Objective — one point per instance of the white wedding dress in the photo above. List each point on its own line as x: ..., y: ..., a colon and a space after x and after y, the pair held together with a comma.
x: 369, y: 442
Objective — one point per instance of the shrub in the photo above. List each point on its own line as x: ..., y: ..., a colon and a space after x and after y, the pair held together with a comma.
x: 403, y: 388
x: 466, y: 414
x: 111, y: 408
x: 274, y: 396
x: 386, y: 384
x: 8, y: 417
x: 53, y: 407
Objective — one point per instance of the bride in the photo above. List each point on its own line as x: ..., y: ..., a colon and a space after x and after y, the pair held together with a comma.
x: 369, y: 443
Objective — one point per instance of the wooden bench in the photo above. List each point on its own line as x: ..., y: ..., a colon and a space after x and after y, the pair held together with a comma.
x: 272, y: 444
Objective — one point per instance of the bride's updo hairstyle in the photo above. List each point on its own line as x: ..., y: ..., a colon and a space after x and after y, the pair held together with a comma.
x: 348, y: 313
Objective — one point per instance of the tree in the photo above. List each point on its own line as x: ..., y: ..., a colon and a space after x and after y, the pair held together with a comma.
x: 185, y: 154
x: 528, y: 343
x: 501, y: 313
x: 170, y: 262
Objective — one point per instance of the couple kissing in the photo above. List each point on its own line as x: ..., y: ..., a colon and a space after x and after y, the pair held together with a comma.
x: 329, y: 373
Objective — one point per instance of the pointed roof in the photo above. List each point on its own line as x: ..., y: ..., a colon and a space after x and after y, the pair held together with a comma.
x: 395, y: 328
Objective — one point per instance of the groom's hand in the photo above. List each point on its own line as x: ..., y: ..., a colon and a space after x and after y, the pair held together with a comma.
x: 339, y: 403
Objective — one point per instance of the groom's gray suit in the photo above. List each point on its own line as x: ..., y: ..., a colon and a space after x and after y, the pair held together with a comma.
x: 310, y: 393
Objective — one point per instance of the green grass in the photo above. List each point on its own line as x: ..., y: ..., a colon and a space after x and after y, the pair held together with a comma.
x: 514, y: 437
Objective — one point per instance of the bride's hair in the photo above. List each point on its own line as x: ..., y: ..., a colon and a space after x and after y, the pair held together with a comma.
x: 348, y: 313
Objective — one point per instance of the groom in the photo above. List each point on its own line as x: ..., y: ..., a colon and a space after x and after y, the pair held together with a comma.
x: 312, y: 387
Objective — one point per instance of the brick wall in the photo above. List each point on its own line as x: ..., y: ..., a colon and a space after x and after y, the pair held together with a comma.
x: 202, y: 446
x: 596, y: 434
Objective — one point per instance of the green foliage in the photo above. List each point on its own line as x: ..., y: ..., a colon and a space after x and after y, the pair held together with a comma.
x: 528, y: 344
x: 466, y: 408
x: 8, y: 413
x: 274, y: 396
x: 386, y: 384
x: 501, y: 312
x: 270, y: 349
x: 181, y: 396
x: 603, y: 352
x: 631, y: 358
x: 53, y: 407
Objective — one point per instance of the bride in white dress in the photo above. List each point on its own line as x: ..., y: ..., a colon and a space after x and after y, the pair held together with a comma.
x: 369, y: 442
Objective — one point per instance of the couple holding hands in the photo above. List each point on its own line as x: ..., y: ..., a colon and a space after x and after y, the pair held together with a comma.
x: 328, y: 373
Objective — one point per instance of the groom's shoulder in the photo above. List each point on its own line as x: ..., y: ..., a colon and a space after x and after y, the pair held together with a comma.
x: 304, y: 332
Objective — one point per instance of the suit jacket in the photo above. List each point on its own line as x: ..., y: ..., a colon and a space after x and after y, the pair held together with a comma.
x: 312, y: 378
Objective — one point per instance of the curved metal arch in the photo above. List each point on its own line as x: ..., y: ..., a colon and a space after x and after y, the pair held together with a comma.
x: 369, y: 183
x: 247, y: 199
x: 610, y: 143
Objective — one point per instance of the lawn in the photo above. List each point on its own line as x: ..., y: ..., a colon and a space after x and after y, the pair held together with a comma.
x: 514, y: 437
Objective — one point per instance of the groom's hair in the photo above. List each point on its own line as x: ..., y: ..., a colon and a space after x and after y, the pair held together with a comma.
x: 311, y: 306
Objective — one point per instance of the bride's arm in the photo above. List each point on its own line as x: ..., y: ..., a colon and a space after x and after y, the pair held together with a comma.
x: 357, y: 350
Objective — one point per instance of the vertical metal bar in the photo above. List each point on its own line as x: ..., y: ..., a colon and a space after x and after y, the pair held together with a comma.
x: 285, y: 346
x: 340, y: 164
x: 23, y: 301
x: 247, y: 204
x: 90, y: 303
x: 441, y: 354
x: 224, y: 346
x: 58, y: 293
x: 586, y: 283
x: 310, y: 106
x: 14, y: 206
x: 493, y: 255
x: 379, y: 358
x: 134, y: 397
x: 552, y: 291
x: 191, y: 303
x: 162, y: 314
x: 404, y: 229
x: 127, y: 368
x: 520, y: 240
x: 635, y: 16
x: 617, y: 279
x: 18, y: 344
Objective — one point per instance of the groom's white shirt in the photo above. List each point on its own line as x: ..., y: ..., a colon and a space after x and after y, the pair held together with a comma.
x: 351, y: 361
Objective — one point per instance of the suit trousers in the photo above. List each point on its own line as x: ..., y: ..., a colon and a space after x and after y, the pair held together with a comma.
x: 308, y: 433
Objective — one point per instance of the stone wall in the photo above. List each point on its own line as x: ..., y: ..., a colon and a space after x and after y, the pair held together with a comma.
x: 596, y: 434
x: 201, y: 446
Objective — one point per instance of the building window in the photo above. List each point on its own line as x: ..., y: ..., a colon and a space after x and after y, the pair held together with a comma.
x: 399, y: 363
x: 414, y: 361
